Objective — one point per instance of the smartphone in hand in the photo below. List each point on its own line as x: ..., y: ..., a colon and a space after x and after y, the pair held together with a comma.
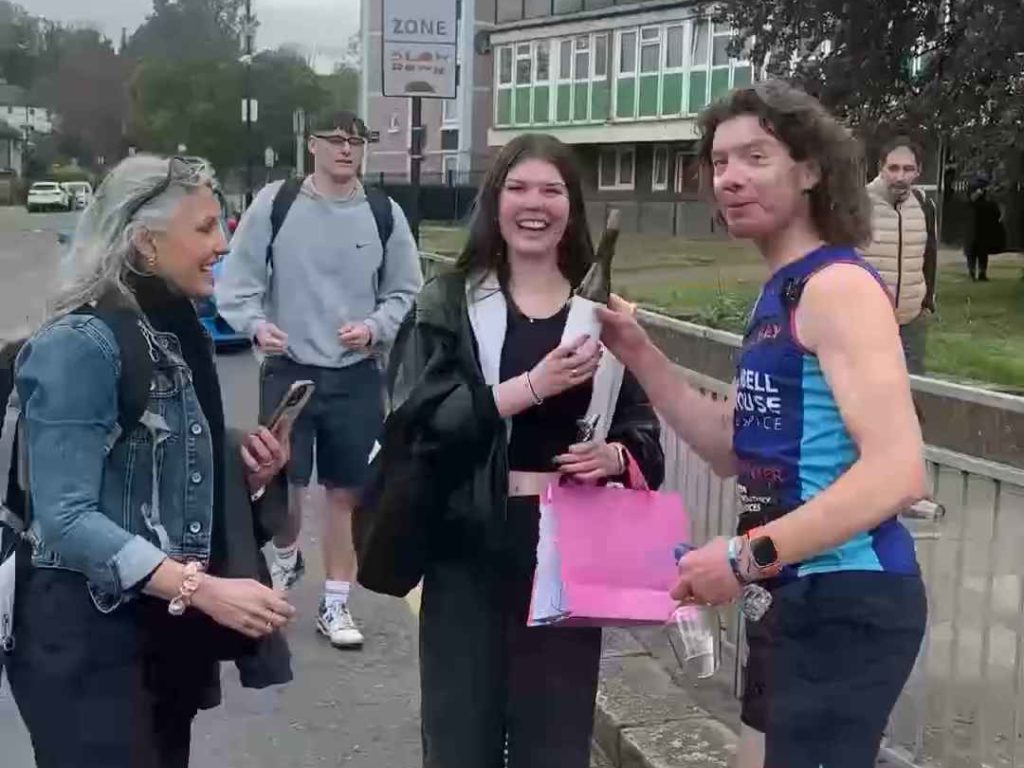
x: 291, y: 405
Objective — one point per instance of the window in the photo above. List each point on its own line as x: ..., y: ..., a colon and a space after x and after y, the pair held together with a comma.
x: 650, y: 49
x: 699, y: 44
x: 600, y: 56
x: 565, y: 61
x: 674, y: 47
x: 524, y: 65
x: 449, y: 168
x: 616, y: 167
x: 568, y: 6
x: 687, y: 177
x: 537, y: 8
x: 505, y: 65
x: 627, y: 53
x: 449, y: 110
x: 720, y: 48
x: 509, y: 10
x: 582, y: 59
x: 543, y: 66
x: 659, y: 171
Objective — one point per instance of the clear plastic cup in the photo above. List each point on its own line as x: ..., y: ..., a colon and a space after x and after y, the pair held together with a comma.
x: 693, y: 634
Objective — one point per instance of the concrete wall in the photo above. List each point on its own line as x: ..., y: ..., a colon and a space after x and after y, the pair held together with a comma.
x: 963, y: 419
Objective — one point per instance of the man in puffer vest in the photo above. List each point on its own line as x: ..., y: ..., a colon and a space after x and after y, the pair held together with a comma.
x: 904, y: 246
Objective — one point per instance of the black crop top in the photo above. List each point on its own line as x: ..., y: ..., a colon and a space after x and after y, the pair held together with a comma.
x: 547, y: 430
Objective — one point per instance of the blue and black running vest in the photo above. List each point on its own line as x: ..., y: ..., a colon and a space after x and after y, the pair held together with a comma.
x: 789, y: 436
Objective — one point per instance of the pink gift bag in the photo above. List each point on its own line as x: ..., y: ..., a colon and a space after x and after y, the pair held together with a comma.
x: 604, y: 557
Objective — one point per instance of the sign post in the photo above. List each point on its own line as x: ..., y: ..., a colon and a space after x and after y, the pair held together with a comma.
x: 419, y: 57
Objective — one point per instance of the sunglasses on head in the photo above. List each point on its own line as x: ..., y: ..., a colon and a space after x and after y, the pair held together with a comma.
x: 338, y: 141
x: 183, y: 170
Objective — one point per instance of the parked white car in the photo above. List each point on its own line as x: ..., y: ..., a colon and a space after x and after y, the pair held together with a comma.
x: 79, y: 193
x: 47, y: 196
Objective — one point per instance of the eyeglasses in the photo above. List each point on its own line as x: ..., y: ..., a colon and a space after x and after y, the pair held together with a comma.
x: 186, y: 171
x: 337, y: 141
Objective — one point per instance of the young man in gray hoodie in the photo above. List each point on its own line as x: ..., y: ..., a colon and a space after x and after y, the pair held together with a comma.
x: 323, y: 299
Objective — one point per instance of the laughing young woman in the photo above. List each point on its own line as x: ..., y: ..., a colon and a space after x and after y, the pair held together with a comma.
x: 820, y: 432
x: 492, y: 401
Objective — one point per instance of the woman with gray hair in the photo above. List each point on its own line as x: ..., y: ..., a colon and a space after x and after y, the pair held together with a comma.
x: 144, y: 568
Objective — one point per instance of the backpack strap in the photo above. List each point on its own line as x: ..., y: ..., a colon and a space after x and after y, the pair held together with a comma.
x: 285, y: 198
x: 383, y: 216
x: 135, y: 381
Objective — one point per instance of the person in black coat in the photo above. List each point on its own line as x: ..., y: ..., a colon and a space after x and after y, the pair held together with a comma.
x: 487, y: 399
x: 986, y: 234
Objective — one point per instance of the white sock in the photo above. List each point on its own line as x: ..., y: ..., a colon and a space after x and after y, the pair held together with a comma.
x: 336, y: 592
x: 287, y: 556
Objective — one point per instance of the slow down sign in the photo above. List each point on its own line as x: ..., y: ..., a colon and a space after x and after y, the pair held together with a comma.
x: 420, y: 45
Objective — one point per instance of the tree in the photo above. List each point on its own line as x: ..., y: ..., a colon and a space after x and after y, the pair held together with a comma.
x: 342, y: 87
x: 21, y: 38
x: 195, y: 103
x: 189, y: 29
x: 284, y: 82
x: 884, y: 65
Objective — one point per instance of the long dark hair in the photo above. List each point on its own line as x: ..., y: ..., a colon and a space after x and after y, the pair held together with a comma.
x: 840, y: 206
x: 486, y: 252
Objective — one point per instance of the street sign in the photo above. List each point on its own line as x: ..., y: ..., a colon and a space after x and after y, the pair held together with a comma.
x: 420, y: 48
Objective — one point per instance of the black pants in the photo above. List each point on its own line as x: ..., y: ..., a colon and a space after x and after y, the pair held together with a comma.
x: 89, y: 686
x: 977, y: 262
x: 489, y: 682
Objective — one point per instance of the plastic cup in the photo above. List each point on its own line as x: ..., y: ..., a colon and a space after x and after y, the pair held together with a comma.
x: 693, y: 635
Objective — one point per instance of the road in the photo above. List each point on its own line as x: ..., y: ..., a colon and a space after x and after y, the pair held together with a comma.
x: 355, y: 709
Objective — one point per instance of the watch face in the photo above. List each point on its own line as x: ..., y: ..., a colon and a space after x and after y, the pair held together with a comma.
x: 763, y: 551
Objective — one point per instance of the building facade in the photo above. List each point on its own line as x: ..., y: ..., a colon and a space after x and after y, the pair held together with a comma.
x: 456, y: 147
x: 623, y: 84
x: 17, y: 112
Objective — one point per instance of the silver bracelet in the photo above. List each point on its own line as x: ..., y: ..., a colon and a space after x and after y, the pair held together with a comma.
x: 537, y: 399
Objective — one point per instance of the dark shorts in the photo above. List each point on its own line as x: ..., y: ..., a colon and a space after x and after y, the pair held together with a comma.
x: 827, y: 663
x: 340, y: 423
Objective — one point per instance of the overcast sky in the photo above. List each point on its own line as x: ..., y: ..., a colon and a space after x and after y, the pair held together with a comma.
x: 321, y: 27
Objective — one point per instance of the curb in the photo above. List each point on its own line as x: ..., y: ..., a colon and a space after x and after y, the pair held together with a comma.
x: 643, y: 719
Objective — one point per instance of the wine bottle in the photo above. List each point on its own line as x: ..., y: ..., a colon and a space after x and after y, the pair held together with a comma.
x: 597, y: 283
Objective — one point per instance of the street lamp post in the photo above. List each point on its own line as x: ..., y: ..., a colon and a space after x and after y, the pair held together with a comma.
x: 249, y: 33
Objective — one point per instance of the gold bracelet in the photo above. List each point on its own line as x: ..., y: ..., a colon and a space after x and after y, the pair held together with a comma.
x: 189, y: 585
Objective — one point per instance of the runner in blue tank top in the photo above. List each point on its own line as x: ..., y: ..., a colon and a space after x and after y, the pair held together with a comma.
x: 820, y: 433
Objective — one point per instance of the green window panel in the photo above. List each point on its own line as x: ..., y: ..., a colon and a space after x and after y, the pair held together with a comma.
x: 541, y: 104
x: 580, y: 101
x: 719, y: 83
x: 563, y: 103
x: 625, y: 97
x: 600, y: 101
x: 742, y: 76
x: 649, y: 96
x: 522, y: 105
x: 504, y: 106
x: 672, y: 94
x: 698, y: 91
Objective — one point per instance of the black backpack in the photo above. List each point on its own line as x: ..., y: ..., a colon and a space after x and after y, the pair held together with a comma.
x: 380, y: 207
x: 132, y: 397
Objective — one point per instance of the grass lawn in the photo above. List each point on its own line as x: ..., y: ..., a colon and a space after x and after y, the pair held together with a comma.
x: 977, y: 336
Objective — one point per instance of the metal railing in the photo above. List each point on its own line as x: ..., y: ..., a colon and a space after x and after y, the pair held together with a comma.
x: 964, y: 703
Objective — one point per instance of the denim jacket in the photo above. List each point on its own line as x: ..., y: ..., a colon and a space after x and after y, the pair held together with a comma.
x: 108, y: 506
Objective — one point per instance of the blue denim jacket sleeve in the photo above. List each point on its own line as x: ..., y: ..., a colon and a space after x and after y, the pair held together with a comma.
x: 67, y: 384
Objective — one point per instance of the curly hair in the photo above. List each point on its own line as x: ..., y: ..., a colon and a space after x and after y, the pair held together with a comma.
x: 840, y: 206
x: 486, y: 251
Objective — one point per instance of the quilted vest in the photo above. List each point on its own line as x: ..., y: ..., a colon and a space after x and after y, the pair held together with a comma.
x: 898, y: 240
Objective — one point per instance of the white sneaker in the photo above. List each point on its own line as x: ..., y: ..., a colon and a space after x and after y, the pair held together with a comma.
x: 337, y: 625
x: 283, y: 577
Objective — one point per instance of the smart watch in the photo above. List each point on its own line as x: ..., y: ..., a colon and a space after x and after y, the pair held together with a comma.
x: 764, y: 555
